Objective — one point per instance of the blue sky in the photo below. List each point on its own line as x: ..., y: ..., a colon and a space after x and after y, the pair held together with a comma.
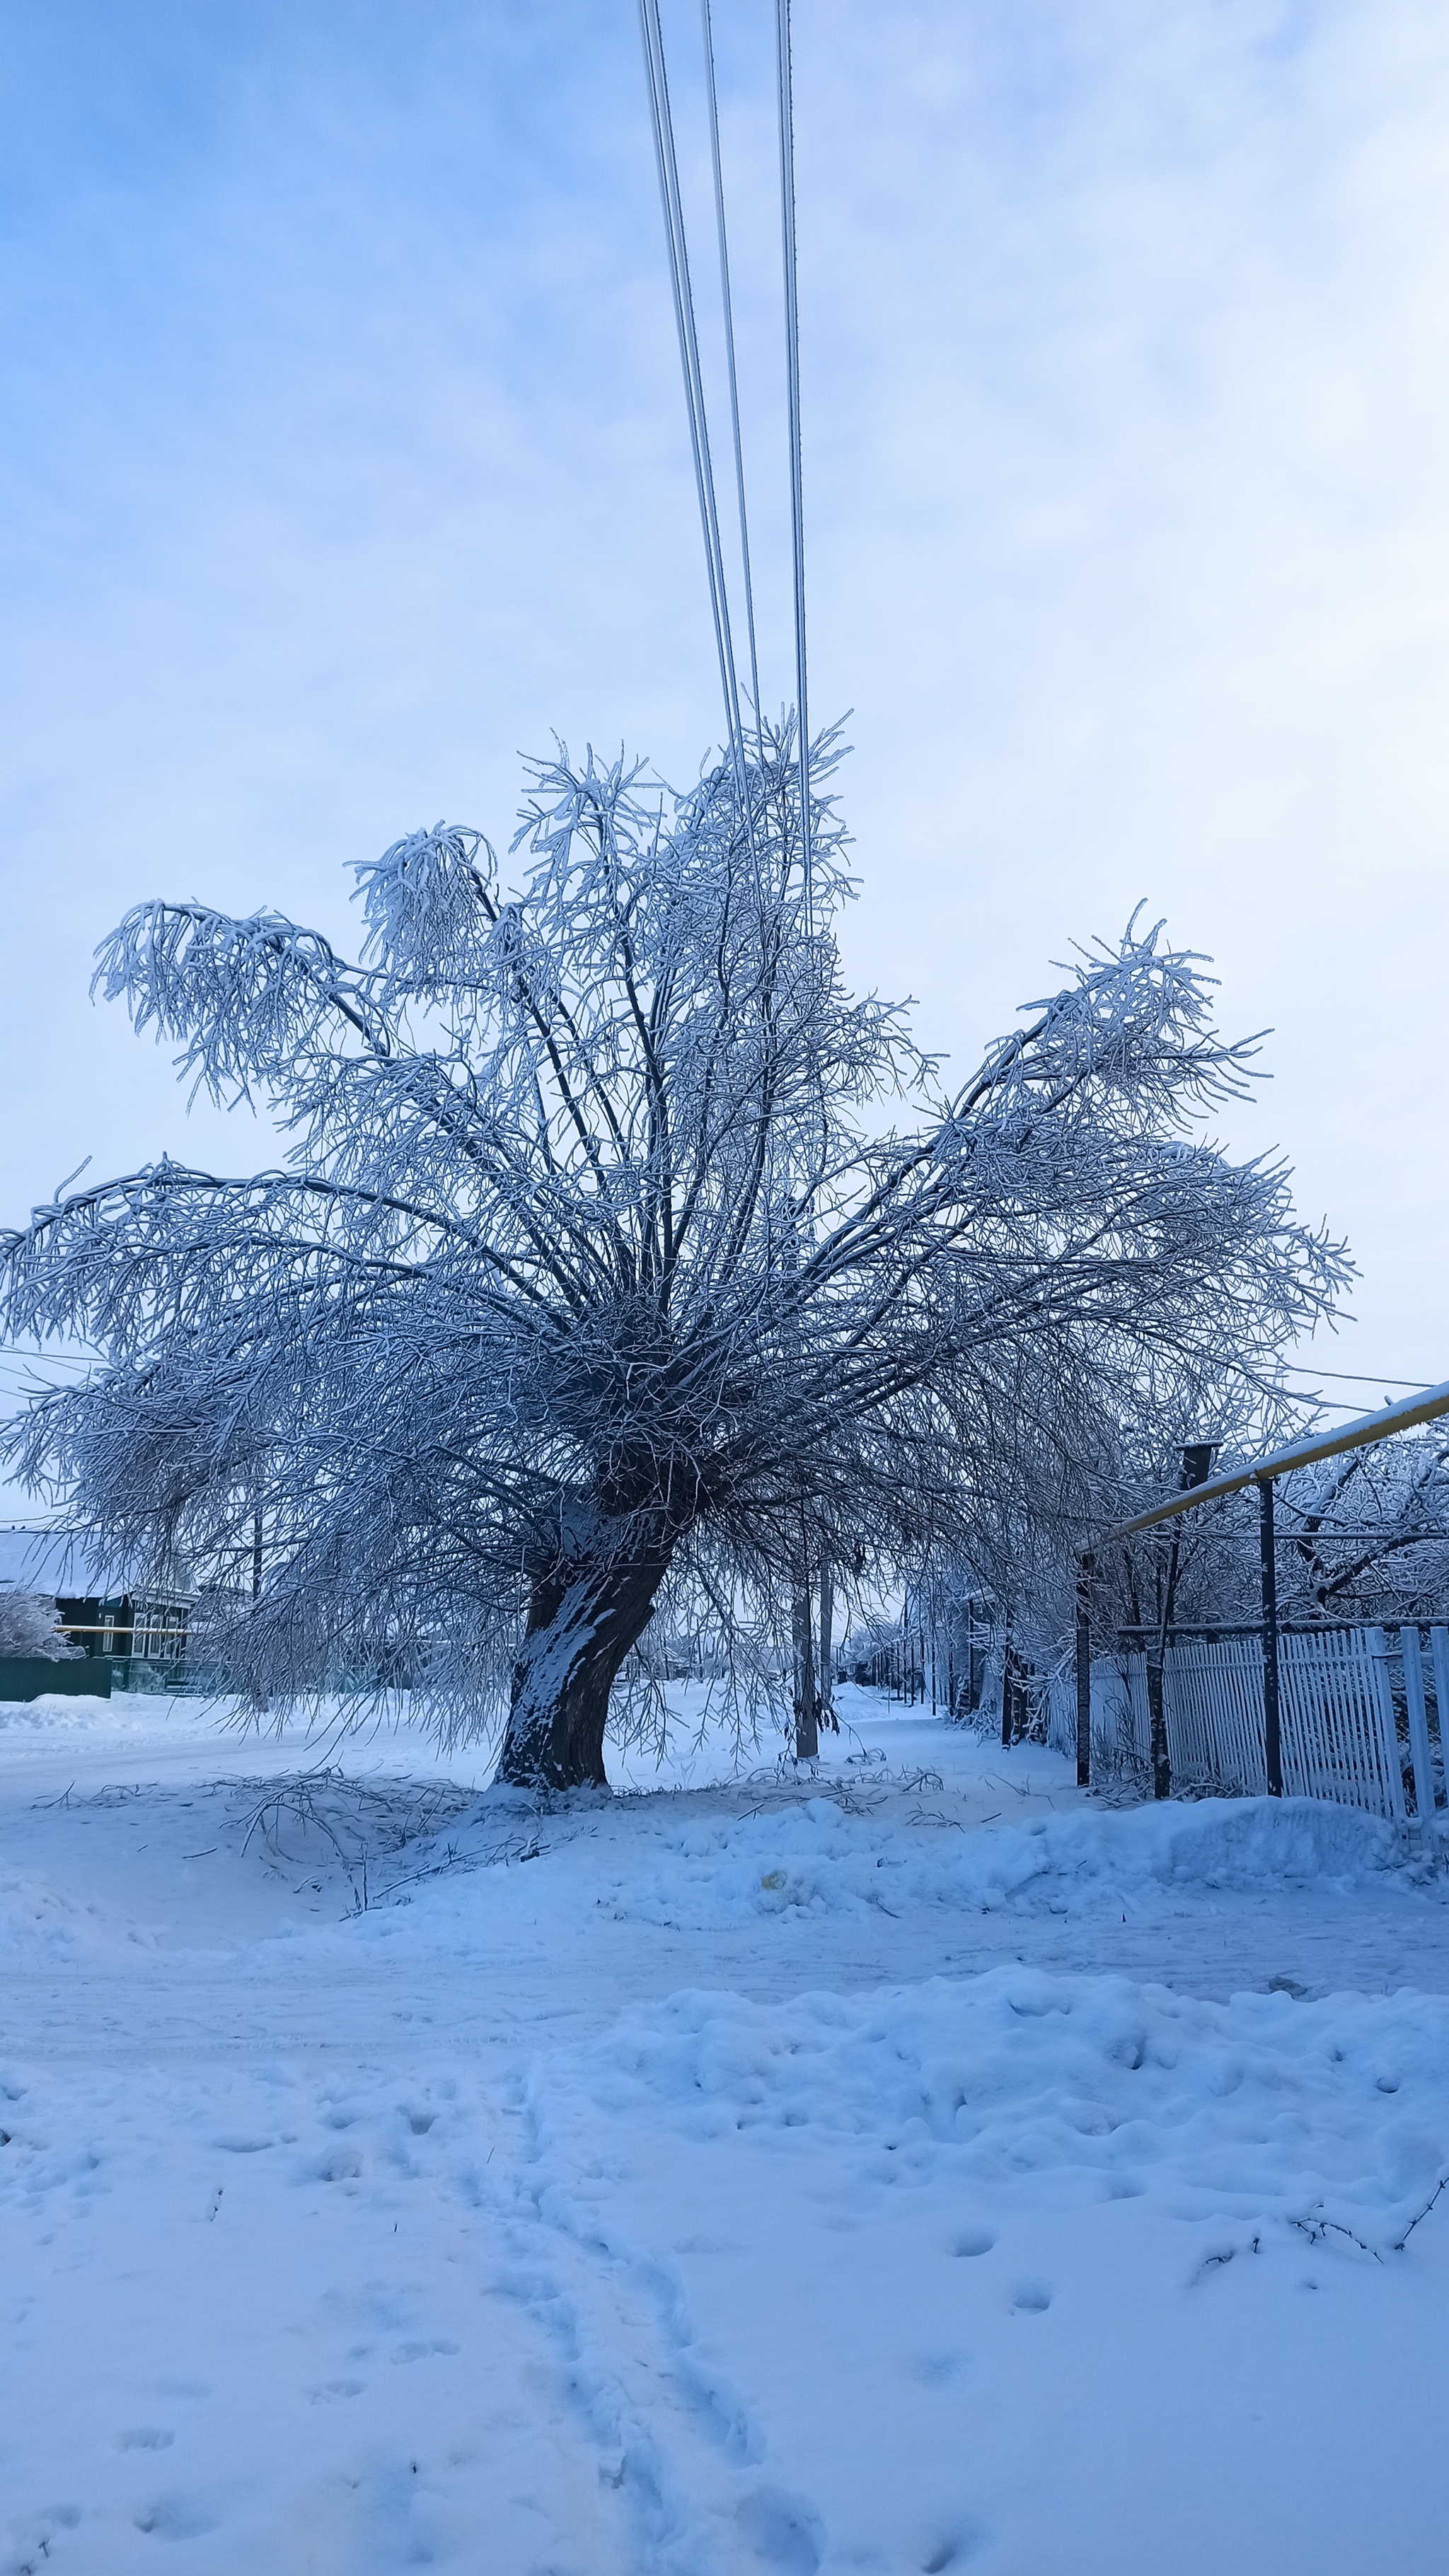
x: 344, y: 458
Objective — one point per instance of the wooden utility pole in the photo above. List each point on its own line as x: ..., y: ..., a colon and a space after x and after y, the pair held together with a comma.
x: 1197, y: 1458
x: 1086, y: 1568
x: 827, y: 1641
x: 807, y: 1706
x: 1268, y: 1560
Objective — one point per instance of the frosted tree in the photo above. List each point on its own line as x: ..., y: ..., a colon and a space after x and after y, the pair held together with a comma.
x: 27, y: 1627
x: 1369, y: 1533
x: 597, y: 1271
x: 1363, y: 1537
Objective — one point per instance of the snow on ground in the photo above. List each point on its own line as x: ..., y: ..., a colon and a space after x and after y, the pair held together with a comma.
x: 911, y: 2167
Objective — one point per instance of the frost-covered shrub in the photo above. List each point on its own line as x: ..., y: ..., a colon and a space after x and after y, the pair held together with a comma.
x: 27, y: 1627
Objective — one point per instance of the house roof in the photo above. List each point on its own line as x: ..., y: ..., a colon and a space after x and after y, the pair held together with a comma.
x: 60, y: 1562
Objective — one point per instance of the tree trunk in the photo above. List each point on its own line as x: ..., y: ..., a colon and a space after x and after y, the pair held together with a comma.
x: 582, y: 1621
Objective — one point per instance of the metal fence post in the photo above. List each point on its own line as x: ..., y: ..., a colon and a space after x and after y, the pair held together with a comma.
x: 1272, y: 1736
x: 1086, y: 1567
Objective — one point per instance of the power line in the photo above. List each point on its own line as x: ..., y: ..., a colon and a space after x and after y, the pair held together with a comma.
x: 12, y: 1352
x: 1351, y: 1377
x: 785, y: 90
x: 673, y: 208
x: 1334, y: 1403
x: 727, y: 304
x: 671, y: 200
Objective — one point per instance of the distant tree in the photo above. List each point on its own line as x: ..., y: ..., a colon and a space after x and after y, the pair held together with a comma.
x: 596, y: 1274
x: 27, y: 1627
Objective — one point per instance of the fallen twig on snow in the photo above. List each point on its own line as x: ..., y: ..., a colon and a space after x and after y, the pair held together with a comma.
x: 1442, y: 2185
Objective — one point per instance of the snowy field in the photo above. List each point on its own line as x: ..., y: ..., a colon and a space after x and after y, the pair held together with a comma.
x: 916, y: 2168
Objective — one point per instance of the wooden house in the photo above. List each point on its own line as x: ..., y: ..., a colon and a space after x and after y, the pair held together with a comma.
x: 136, y: 1633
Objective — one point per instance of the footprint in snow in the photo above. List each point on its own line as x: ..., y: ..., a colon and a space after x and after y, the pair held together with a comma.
x: 177, y: 2517
x: 951, y: 2549
x: 781, y: 2531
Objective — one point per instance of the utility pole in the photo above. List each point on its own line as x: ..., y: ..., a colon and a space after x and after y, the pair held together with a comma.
x: 1086, y: 1568
x: 807, y: 1705
x: 1197, y: 1458
x: 1268, y: 1560
x: 257, y: 1570
x: 827, y: 1641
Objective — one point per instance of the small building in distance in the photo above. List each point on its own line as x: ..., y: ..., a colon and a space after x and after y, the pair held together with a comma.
x: 140, y: 1637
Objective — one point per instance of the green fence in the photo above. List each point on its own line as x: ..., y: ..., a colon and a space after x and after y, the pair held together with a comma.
x: 32, y: 1676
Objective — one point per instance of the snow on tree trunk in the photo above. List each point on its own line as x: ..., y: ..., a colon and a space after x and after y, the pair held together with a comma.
x: 582, y: 1622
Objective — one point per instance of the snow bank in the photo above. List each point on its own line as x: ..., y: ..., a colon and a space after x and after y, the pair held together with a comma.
x: 1073, y: 2089
x: 41, y: 1923
x: 57, y: 1713
x: 817, y: 1858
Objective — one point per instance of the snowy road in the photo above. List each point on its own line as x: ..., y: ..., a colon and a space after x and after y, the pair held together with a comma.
x: 937, y: 2173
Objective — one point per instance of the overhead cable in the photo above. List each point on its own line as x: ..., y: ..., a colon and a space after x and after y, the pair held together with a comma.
x: 670, y: 199
x: 784, y: 84
x: 727, y: 304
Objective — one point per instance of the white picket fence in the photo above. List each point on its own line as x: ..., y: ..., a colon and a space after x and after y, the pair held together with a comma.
x: 1355, y: 1711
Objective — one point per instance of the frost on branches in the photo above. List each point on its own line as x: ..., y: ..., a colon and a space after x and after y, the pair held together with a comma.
x: 1361, y: 1539
x: 27, y: 1627
x: 595, y: 1271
